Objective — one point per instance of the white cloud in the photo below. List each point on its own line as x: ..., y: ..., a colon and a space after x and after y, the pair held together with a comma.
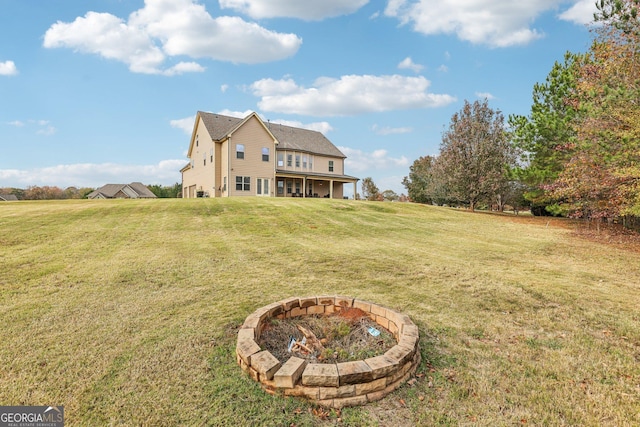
x: 8, y: 68
x: 47, y: 131
x: 322, y: 127
x: 408, y: 64
x: 496, y: 23
x: 391, y: 131
x: 443, y: 68
x: 580, y: 13
x: 393, y: 182
x: 349, y: 95
x: 238, y: 114
x: 183, y: 67
x: 360, y: 161
x: 166, y: 172
x: 483, y: 95
x: 186, y: 124
x: 308, y: 10
x: 163, y: 29
x: 223, y: 88
x: 267, y: 87
x: 41, y: 127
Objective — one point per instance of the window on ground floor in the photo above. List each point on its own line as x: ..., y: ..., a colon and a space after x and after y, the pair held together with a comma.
x: 243, y: 183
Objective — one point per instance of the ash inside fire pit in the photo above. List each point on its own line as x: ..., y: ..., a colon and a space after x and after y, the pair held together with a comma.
x: 344, y: 336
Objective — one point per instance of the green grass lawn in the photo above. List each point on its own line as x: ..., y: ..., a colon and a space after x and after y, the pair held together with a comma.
x: 126, y: 311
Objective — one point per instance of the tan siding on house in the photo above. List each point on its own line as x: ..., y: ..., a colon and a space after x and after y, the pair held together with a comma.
x: 322, y: 165
x: 338, y: 190
x: 254, y: 137
x: 224, y: 166
x: 200, y: 173
x: 312, y: 178
x: 219, y: 172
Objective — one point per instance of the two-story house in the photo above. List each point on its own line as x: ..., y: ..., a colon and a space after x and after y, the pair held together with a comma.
x: 247, y: 157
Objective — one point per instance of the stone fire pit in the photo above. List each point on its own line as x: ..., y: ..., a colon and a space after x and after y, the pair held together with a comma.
x: 333, y: 385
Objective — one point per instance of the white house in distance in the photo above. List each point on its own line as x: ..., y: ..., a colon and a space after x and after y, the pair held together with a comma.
x: 231, y: 157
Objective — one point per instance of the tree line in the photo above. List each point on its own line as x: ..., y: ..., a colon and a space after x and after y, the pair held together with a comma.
x: 576, y: 154
x: 57, y: 193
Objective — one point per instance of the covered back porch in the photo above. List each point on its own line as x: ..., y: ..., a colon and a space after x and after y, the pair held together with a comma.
x: 313, y: 186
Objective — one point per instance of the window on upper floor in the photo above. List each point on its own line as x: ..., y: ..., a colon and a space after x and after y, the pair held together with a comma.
x: 280, y: 160
x: 239, y: 151
x: 297, y: 160
x: 289, y: 159
x: 310, y: 163
x: 330, y: 165
x: 304, y: 162
x: 265, y: 154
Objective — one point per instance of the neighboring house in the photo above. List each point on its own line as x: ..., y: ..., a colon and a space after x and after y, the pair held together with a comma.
x: 135, y: 190
x: 247, y: 157
x: 8, y: 198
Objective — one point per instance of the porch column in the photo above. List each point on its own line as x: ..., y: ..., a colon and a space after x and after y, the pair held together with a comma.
x: 304, y: 186
x: 355, y: 189
x: 331, y: 189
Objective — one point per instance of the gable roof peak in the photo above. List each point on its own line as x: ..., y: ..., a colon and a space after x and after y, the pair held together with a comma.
x: 286, y: 137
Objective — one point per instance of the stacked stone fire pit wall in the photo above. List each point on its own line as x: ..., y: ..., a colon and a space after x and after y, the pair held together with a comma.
x: 332, y: 385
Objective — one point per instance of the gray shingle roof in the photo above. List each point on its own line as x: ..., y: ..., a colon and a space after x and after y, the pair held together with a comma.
x: 289, y: 138
x: 142, y: 190
x: 110, y: 190
x: 218, y: 125
x: 298, y: 139
x: 8, y: 197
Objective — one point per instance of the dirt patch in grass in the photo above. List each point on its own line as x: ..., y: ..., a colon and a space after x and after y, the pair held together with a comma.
x: 346, y: 335
x: 604, y: 233
x: 609, y: 234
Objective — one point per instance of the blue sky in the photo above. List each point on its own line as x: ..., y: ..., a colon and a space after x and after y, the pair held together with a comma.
x: 106, y: 91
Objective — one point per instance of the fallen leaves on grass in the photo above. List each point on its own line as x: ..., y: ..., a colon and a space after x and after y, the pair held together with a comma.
x: 320, y: 413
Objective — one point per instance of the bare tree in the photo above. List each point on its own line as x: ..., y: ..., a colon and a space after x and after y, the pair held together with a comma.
x: 369, y: 189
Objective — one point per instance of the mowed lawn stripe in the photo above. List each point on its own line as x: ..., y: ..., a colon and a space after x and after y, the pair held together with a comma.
x: 126, y: 311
